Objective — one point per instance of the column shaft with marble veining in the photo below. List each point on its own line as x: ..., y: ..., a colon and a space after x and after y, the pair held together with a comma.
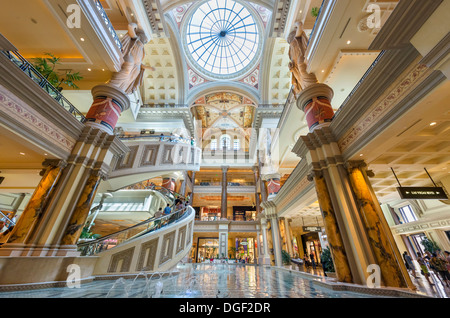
x: 35, y: 208
x: 382, y: 247
x: 340, y: 260
x: 224, y: 205
x: 81, y: 212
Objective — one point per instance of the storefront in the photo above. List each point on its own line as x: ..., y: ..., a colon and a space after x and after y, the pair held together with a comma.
x: 244, y: 213
x: 245, y: 249
x: 207, y: 249
x: 209, y: 214
x: 311, y: 242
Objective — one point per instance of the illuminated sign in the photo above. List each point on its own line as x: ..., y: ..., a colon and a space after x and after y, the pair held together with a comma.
x: 422, y: 193
x: 312, y: 229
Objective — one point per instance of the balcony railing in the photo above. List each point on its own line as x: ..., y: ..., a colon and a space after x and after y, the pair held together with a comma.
x: 115, y: 239
x: 230, y: 184
x: 108, y: 24
x: 37, y: 77
x: 161, y: 138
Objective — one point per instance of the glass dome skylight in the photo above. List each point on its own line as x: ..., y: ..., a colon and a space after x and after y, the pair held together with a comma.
x: 222, y: 38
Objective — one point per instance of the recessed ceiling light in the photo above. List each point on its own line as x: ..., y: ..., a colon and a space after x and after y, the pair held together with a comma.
x: 89, y: 69
x: 103, y: 69
x: 45, y: 154
x: 23, y: 154
x: 323, y: 71
x: 348, y: 42
x: 361, y: 155
x: 82, y: 39
x: 433, y: 123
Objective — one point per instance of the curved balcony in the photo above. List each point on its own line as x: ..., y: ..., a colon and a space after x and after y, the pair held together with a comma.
x: 151, y: 156
x: 156, y: 244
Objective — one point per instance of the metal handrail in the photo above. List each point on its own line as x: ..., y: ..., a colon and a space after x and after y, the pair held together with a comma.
x: 160, y: 138
x: 114, y: 239
x: 108, y: 24
x: 37, y: 77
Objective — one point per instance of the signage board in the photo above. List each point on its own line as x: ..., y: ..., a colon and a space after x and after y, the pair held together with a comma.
x: 312, y: 229
x: 422, y: 193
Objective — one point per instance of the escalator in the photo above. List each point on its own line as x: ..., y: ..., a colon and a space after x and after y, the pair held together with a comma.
x: 156, y: 243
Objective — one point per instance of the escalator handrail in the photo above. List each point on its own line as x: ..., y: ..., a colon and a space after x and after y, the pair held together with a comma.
x: 178, y: 215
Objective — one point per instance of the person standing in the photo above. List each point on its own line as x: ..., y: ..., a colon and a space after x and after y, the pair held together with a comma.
x: 440, y: 266
x: 167, y: 210
x: 313, y: 261
x: 409, y: 263
x: 423, y: 267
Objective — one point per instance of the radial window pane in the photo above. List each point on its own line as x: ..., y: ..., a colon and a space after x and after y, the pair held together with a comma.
x: 222, y: 37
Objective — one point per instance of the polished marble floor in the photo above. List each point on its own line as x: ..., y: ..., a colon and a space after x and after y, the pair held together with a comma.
x: 198, y: 281
x: 439, y: 290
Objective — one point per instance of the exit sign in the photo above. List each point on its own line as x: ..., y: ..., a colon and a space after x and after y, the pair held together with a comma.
x: 422, y: 193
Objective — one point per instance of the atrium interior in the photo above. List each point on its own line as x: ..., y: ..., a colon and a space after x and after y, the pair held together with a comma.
x: 244, y: 141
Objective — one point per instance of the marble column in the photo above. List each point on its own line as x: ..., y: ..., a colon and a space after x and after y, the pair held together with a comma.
x: 262, y: 185
x: 109, y: 103
x: 338, y: 253
x: 81, y: 212
x: 288, y: 230
x: 36, y: 206
x: 383, y: 245
x: 257, y: 201
x: 224, y: 205
x: 264, y: 257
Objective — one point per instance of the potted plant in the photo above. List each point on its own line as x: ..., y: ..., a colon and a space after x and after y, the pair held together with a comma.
x: 46, y: 66
x: 429, y: 245
x: 285, y: 257
x: 315, y: 12
x: 328, y: 261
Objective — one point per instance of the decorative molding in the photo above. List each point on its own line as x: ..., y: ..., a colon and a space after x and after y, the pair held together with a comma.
x: 150, y: 249
x: 32, y: 119
x: 155, y: 18
x: 438, y: 53
x: 381, y: 108
x: 126, y: 256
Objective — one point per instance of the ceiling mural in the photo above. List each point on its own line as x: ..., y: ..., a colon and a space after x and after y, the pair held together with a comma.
x: 224, y: 110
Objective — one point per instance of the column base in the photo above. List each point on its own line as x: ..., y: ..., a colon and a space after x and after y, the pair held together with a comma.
x: 264, y: 261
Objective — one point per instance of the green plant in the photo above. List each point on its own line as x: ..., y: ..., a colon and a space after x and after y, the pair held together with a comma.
x: 286, y: 258
x: 46, y: 66
x: 327, y: 260
x: 315, y: 12
x: 430, y: 245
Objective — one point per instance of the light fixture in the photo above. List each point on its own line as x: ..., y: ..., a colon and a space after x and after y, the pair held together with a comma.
x: 433, y: 123
x: 45, y: 154
x: 103, y: 69
x: 323, y: 71
x: 348, y: 42
x: 21, y: 153
x: 89, y: 69
x: 361, y: 155
x: 82, y: 39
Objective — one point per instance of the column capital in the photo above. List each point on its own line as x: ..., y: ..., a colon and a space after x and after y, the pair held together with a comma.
x: 359, y: 164
x: 225, y: 168
x: 271, y: 176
